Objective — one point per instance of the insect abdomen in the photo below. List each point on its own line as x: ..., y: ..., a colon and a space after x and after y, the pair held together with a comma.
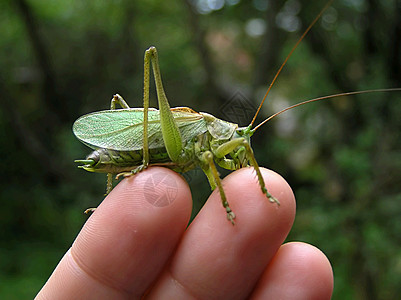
x: 113, y: 161
x: 104, y: 160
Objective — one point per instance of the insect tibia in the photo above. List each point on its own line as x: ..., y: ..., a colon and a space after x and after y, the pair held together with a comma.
x: 255, y: 165
x: 215, y: 181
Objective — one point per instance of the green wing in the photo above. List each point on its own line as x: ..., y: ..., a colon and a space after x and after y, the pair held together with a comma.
x: 122, y: 129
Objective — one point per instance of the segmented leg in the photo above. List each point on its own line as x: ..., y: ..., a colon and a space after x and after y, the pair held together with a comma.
x: 145, y: 147
x: 109, y: 185
x: 214, y: 179
x: 132, y: 172
x: 169, y: 128
x: 229, y: 147
x: 171, y: 135
x: 146, y: 87
x: 255, y: 165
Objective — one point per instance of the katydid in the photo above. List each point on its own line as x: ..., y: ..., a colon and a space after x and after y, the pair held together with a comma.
x: 129, y: 140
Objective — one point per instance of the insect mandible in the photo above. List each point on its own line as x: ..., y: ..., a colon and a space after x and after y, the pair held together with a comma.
x: 129, y: 140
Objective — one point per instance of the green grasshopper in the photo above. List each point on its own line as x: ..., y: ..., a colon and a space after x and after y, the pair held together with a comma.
x: 129, y: 140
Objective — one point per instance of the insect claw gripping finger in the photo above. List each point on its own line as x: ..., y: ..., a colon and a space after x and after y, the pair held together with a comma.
x: 133, y: 172
x: 230, y: 215
x: 271, y: 198
x: 259, y: 174
x: 124, y: 174
x: 214, y: 179
x: 138, y: 169
x: 90, y: 211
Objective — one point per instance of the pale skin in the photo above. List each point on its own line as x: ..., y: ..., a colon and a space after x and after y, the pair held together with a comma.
x: 131, y: 249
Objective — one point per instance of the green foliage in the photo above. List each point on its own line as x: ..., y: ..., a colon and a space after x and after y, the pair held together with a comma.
x: 61, y: 59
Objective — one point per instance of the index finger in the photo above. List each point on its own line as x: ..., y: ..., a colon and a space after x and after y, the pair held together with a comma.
x: 127, y: 241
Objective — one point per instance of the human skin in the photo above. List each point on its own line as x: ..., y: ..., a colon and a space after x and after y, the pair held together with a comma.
x: 134, y: 247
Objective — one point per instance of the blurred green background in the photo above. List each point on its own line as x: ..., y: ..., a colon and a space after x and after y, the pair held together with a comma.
x: 62, y: 59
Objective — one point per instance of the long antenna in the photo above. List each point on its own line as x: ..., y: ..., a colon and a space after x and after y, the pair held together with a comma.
x: 288, y: 56
x: 325, y: 98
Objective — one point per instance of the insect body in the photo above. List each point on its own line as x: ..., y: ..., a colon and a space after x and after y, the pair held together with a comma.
x: 128, y: 140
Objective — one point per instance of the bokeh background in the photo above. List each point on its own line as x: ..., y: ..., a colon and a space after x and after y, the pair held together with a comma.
x: 62, y: 59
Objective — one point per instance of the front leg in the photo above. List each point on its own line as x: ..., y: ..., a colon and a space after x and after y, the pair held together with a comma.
x: 254, y: 163
x: 230, y: 146
x: 209, y: 168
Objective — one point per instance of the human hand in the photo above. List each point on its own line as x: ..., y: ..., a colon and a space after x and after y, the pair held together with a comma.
x: 137, y: 244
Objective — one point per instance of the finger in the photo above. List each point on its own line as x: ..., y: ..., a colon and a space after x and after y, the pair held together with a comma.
x: 298, y: 271
x: 127, y: 241
x: 216, y: 260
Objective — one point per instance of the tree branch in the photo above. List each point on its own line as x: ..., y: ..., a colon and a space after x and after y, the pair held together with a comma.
x: 51, y: 97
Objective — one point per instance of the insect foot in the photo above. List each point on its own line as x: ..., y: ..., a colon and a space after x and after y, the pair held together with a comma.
x: 133, y: 172
x: 271, y: 198
x: 90, y: 211
x: 230, y: 215
x: 124, y: 174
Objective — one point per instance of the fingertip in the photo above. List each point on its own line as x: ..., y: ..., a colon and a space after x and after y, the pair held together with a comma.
x: 218, y: 260
x: 298, y: 271
x: 254, y: 210
x: 280, y: 189
x: 135, y: 229
x: 306, y: 257
x: 156, y: 191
